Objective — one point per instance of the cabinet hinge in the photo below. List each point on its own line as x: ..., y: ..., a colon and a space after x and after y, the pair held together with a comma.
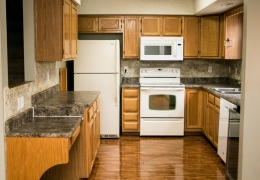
x: 198, y: 52
x: 181, y: 30
x: 62, y: 51
x: 181, y: 21
x: 140, y: 20
x: 63, y: 2
x: 198, y: 20
x: 123, y: 52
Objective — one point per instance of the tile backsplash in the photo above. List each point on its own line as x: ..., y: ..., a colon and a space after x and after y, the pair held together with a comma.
x: 189, y: 67
x: 27, y: 90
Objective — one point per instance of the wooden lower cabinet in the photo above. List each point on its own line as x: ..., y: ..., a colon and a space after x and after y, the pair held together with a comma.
x: 84, y: 150
x: 202, y: 113
x: 211, y: 105
x: 193, y: 110
x: 130, y: 110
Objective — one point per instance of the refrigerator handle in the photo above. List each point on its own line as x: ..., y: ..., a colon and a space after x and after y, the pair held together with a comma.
x: 117, y: 56
x: 117, y: 90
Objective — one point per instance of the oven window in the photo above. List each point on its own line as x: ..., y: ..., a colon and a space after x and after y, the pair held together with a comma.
x: 162, y: 102
x: 157, y: 50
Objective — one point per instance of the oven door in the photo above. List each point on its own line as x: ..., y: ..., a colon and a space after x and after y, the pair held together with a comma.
x: 162, y: 102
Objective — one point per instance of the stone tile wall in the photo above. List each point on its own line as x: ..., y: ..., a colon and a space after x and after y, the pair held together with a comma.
x: 189, y: 67
x: 27, y: 90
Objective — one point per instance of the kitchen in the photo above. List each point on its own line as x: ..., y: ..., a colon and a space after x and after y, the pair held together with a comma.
x: 52, y: 76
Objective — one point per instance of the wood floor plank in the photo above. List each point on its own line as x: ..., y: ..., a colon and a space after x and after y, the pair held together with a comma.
x: 148, y: 158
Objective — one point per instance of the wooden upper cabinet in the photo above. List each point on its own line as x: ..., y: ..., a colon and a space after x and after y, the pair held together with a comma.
x: 110, y: 24
x: 234, y: 36
x: 191, y: 36
x: 55, y: 26
x: 172, y: 26
x: 209, y: 36
x: 74, y: 31
x: 131, y: 37
x: 151, y: 26
x: 222, y: 35
x: 87, y: 24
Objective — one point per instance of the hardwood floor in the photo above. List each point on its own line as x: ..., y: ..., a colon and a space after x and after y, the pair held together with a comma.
x: 154, y: 158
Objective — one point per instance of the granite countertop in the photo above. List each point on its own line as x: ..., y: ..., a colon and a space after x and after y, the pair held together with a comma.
x: 129, y: 82
x: 233, y: 98
x: 58, y: 115
x: 70, y: 103
x: 50, y: 127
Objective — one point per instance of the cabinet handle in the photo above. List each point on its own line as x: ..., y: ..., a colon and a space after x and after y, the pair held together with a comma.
x: 228, y: 40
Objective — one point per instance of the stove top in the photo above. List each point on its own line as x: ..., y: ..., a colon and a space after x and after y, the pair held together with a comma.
x: 160, y: 77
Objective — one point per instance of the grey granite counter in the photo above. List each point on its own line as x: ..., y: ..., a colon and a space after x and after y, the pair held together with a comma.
x: 53, y: 114
x: 130, y: 82
x: 70, y: 103
x: 233, y: 98
x: 56, y: 127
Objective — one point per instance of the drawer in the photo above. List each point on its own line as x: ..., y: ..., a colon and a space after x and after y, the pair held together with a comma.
x: 74, y: 136
x: 217, y: 102
x: 130, y: 126
x: 211, y: 99
x: 90, y: 112
x: 97, y: 102
x: 95, y: 106
x: 130, y: 105
x: 130, y: 116
x: 130, y: 92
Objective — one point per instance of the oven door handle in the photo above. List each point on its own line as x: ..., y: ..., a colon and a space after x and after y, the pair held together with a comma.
x: 164, y: 89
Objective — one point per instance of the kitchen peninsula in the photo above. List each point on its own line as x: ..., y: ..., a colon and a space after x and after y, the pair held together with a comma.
x: 60, y: 134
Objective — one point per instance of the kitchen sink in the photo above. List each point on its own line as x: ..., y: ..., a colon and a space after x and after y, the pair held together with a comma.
x: 228, y: 90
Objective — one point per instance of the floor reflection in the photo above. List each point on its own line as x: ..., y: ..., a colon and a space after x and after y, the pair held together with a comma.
x: 143, y: 158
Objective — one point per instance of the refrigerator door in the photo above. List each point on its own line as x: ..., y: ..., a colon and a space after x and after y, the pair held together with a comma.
x: 108, y: 85
x: 97, y: 56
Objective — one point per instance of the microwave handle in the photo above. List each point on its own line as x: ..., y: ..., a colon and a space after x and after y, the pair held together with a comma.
x: 174, y: 49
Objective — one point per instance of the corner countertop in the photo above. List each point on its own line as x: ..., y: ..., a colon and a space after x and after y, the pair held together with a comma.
x: 70, y: 103
x: 57, y: 116
x: 49, y: 127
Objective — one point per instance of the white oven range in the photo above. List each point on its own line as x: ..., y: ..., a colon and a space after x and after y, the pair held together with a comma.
x: 161, y: 102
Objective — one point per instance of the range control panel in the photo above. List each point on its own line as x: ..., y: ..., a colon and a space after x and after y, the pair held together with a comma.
x: 160, y: 72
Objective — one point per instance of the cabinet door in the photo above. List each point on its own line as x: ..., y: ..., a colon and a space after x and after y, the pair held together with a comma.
x: 172, y: 26
x: 204, y: 111
x: 131, y: 37
x: 74, y: 31
x: 210, y: 122
x: 193, y: 110
x: 91, y: 155
x: 191, y: 36
x: 87, y: 24
x: 151, y: 26
x: 216, y: 121
x: 48, y: 30
x: 222, y: 35
x: 234, y: 36
x: 67, y: 29
x: 110, y: 24
x: 209, y: 37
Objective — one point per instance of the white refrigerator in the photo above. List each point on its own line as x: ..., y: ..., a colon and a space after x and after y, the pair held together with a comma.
x: 97, y: 69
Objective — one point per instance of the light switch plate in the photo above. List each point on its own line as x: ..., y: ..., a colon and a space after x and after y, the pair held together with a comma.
x: 210, y: 69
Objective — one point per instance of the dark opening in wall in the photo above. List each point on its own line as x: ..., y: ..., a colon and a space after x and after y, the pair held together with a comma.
x: 15, y: 42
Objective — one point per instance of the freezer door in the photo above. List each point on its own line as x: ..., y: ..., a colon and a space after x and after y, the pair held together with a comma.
x: 108, y: 85
x: 97, y: 56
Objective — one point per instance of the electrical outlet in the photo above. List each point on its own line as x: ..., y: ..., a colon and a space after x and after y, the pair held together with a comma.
x: 210, y: 69
x: 21, y: 102
x: 18, y: 103
x: 125, y: 69
x: 47, y: 76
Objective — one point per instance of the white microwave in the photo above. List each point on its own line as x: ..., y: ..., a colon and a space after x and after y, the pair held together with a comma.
x: 161, y: 48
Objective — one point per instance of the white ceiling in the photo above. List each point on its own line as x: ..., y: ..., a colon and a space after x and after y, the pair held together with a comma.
x: 219, y: 6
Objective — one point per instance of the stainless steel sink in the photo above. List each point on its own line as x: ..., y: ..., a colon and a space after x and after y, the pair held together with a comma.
x: 228, y: 90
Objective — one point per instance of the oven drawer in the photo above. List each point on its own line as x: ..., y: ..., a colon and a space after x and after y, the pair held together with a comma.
x: 162, y: 127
